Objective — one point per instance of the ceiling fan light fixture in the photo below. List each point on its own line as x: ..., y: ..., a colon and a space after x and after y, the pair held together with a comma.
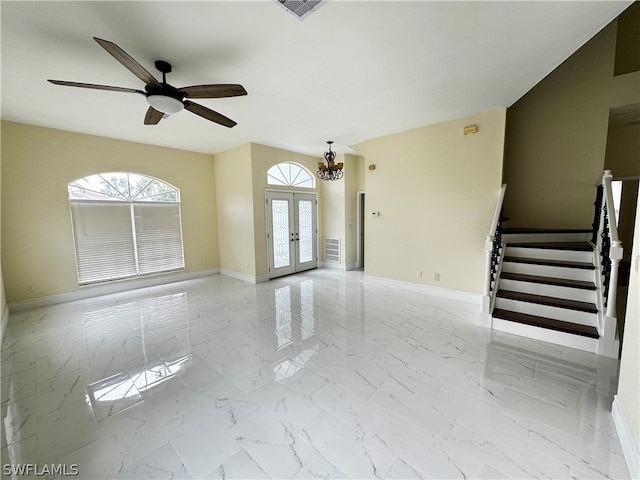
x: 165, y: 104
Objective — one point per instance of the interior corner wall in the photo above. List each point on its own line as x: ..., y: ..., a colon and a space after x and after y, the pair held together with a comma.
x: 3, y: 298
x: 353, y: 169
x: 556, y: 137
x: 264, y: 157
x: 628, y: 385
x: 332, y: 218
x: 622, y: 155
x: 339, y: 212
x: 435, y: 190
x: 37, y: 165
x: 234, y: 199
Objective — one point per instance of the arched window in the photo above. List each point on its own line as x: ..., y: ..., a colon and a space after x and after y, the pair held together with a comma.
x: 125, y: 225
x: 290, y: 175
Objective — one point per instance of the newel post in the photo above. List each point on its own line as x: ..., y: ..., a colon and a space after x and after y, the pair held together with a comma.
x: 615, y: 255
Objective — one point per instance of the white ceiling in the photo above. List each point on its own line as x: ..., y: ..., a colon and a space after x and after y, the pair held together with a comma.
x: 350, y: 71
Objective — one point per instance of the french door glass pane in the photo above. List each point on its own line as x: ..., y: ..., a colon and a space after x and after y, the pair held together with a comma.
x: 305, y: 230
x: 281, y: 247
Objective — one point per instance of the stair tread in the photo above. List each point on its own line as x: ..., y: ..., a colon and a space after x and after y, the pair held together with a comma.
x: 549, y: 262
x: 558, y: 282
x: 549, y: 301
x: 549, y: 323
x: 545, y: 230
x: 572, y: 246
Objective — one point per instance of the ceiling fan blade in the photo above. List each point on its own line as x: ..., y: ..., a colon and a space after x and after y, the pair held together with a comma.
x: 153, y: 116
x: 125, y: 59
x: 96, y: 87
x: 209, y: 114
x: 213, y: 91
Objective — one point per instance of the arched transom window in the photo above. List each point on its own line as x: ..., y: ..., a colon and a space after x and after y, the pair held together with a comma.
x: 125, y: 225
x: 290, y: 175
x: 123, y: 186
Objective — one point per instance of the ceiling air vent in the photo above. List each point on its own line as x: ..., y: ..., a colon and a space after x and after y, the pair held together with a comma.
x: 301, y: 8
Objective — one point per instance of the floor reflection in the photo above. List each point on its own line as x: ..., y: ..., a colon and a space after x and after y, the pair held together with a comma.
x: 161, y: 321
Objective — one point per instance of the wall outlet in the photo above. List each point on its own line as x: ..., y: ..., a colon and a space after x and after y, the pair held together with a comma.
x: 31, y: 288
x: 418, y: 274
x: 436, y: 276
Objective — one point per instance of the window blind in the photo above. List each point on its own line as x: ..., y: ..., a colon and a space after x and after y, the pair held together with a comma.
x: 103, y: 241
x: 158, y: 237
x: 118, y: 240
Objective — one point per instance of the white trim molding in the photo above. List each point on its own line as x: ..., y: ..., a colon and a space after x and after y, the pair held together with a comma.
x: 629, y: 448
x: 245, y: 277
x: 462, y: 296
x: 90, y: 291
x: 332, y: 266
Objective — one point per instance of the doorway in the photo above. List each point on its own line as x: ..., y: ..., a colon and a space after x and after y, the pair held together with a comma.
x: 292, y: 232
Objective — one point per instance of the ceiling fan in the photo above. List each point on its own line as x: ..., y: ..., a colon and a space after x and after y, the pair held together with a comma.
x: 164, y: 99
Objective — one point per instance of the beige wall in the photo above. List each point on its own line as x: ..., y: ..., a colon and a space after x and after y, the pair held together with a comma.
x: 435, y: 189
x: 339, y: 208
x: 622, y: 154
x: 556, y: 137
x: 37, y: 165
x: 3, y: 298
x: 333, y: 211
x: 629, y: 384
x: 241, y: 181
x: 354, y: 182
x: 234, y: 196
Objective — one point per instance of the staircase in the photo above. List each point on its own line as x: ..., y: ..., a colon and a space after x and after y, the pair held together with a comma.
x: 558, y: 286
x: 547, y: 289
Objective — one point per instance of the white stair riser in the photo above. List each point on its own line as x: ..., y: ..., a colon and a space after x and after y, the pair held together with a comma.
x: 569, y: 255
x: 548, y: 290
x: 543, y: 334
x: 549, y: 271
x: 545, y: 237
x: 573, y: 316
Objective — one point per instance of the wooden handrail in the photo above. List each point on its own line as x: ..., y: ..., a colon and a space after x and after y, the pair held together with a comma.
x: 496, y: 214
x: 608, y: 201
x: 490, y: 247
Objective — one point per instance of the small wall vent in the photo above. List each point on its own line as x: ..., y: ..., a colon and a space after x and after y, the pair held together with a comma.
x: 332, y: 250
x: 301, y: 8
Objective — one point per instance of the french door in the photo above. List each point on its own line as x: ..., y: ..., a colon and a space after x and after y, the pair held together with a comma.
x: 292, y: 232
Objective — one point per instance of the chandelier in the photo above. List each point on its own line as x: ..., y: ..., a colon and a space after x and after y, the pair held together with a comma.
x: 332, y: 170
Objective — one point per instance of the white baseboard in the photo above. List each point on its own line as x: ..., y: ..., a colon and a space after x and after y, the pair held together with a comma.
x: 5, y: 322
x: 332, y: 265
x: 245, y: 277
x: 466, y: 297
x: 90, y: 291
x: 630, y: 450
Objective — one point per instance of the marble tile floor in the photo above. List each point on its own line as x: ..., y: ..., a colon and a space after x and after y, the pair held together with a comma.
x: 324, y: 374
